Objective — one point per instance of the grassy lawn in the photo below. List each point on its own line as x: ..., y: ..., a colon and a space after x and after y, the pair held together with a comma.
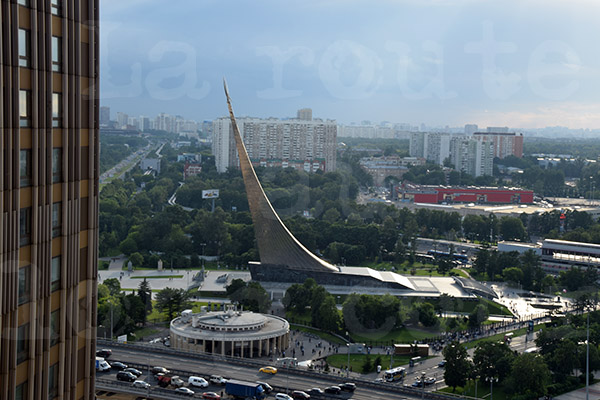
x: 323, y: 335
x: 157, y: 316
x: 483, y: 391
x: 103, y: 265
x: 299, y: 318
x: 141, y: 333
x: 402, y: 335
x: 357, y: 361
x: 156, y: 277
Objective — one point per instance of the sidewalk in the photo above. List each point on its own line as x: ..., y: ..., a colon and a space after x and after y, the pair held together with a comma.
x: 580, y: 393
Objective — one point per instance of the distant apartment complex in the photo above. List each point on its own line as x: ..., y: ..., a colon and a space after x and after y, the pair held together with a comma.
x: 162, y: 122
x: 465, y: 153
x: 474, y: 157
x: 49, y: 163
x: 472, y: 153
x: 383, y: 131
x: 505, y: 143
x: 307, y: 145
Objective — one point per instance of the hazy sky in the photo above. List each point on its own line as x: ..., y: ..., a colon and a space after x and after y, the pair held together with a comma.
x: 520, y: 63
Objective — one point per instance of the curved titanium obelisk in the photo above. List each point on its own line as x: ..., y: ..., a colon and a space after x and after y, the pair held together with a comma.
x: 276, y: 244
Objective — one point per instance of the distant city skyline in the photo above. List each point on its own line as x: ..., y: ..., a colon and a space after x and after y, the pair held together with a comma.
x: 519, y: 64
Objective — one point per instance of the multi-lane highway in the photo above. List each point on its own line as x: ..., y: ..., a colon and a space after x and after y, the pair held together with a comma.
x: 290, y: 380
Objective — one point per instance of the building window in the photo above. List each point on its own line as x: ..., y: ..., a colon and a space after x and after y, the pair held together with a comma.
x: 56, y: 219
x: 56, y: 110
x: 56, y: 7
x: 24, y: 284
x: 55, y: 274
x: 54, y: 327
x: 21, y: 391
x: 56, y: 54
x: 25, y: 108
x: 56, y: 164
x: 53, y: 381
x: 25, y: 226
x: 22, y: 343
x: 24, y: 3
x: 24, y: 47
x: 25, y: 168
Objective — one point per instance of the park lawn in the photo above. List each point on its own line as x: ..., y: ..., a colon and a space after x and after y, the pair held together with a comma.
x: 157, y: 277
x: 402, y: 335
x: 357, y: 361
x: 483, y: 391
x: 323, y: 335
x: 299, y: 318
x: 141, y: 333
x: 495, y: 308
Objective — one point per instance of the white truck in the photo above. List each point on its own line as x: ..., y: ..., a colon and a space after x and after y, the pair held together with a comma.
x: 102, y: 365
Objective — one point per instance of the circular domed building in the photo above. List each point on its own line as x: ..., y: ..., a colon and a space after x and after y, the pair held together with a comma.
x: 230, y: 333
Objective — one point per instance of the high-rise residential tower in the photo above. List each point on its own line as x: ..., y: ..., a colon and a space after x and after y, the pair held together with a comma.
x: 49, y: 118
x: 300, y: 144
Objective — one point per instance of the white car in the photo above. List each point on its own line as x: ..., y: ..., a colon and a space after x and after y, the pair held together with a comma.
x: 217, y: 380
x: 186, y: 391
x: 197, y: 381
x: 140, y: 384
x: 283, y: 396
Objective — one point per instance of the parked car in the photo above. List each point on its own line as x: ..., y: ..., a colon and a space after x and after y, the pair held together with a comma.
x: 347, y: 386
x: 268, y: 370
x: 185, y: 391
x: 315, y: 391
x: 282, y: 396
x: 140, y: 384
x: 126, y: 376
x: 104, y: 353
x: 300, y: 395
x: 119, y: 366
x: 211, y: 396
x: 159, y: 370
x: 217, y: 380
x: 442, y: 364
x: 333, y: 390
x: 197, y: 381
x: 416, y: 383
x: 430, y: 380
x: 134, y: 371
x: 266, y: 387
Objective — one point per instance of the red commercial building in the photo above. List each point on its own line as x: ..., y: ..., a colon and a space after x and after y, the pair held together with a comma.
x: 447, y: 194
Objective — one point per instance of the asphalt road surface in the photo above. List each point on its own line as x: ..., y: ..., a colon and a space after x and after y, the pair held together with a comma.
x: 205, y: 368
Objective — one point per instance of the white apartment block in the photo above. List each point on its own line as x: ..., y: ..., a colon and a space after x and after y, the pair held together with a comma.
x: 432, y: 146
x: 300, y: 144
x: 472, y: 156
x: 366, y: 131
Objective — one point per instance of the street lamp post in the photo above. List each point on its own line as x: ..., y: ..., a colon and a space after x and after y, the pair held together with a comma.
x: 423, y: 384
x: 348, y: 365
x: 491, y: 380
x: 587, y: 359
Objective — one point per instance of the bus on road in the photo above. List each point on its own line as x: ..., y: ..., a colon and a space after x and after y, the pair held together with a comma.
x: 394, y: 374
